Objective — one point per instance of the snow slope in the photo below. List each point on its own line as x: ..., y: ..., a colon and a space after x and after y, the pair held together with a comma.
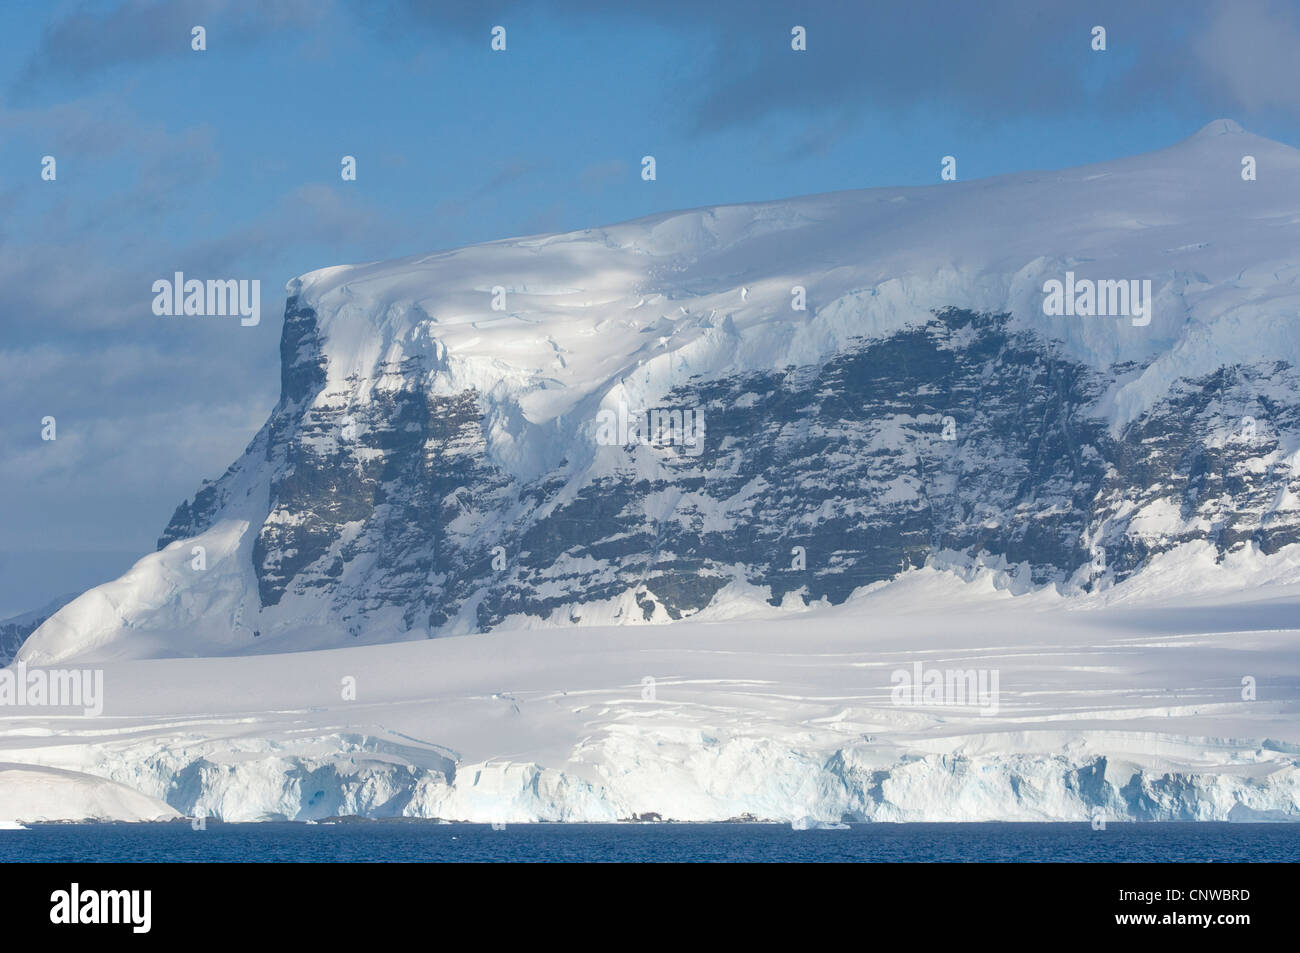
x: 30, y: 794
x: 627, y: 313
x: 1113, y: 712
x: 15, y: 630
x: 633, y: 309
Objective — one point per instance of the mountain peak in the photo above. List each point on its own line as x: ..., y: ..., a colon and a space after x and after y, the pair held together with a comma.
x: 445, y: 412
x: 1219, y: 127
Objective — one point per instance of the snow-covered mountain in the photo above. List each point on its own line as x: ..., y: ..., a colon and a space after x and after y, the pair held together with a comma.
x: 439, y: 463
x: 15, y: 630
x: 936, y: 464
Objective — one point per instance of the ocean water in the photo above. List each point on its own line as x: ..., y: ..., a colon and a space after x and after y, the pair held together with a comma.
x: 403, y: 841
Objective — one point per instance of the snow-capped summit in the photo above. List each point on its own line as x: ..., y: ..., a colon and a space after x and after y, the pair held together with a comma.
x: 1066, y: 373
x: 1221, y: 127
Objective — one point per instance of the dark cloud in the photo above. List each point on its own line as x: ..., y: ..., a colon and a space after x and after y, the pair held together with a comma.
x: 1248, y: 56
x: 89, y: 39
x: 1002, y: 59
x: 1007, y: 58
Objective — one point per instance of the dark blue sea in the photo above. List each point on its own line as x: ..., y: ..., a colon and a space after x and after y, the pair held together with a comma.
x: 402, y: 841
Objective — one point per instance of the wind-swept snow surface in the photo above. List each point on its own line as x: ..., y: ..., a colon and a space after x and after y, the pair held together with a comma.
x: 1108, y: 714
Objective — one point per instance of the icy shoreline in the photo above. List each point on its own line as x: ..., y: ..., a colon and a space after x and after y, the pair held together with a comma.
x: 1117, y: 714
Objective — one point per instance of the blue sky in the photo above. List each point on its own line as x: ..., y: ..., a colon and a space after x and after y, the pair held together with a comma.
x: 225, y: 163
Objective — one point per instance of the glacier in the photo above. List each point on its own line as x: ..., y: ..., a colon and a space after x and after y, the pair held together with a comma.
x: 1114, y: 710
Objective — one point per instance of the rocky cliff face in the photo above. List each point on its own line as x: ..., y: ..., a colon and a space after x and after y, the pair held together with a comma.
x: 961, y: 435
x: 874, y: 378
x: 1215, y: 461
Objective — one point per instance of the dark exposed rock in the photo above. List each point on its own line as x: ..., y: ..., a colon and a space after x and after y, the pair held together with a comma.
x: 962, y: 435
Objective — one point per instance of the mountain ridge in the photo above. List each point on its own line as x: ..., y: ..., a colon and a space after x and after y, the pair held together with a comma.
x: 419, y: 430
